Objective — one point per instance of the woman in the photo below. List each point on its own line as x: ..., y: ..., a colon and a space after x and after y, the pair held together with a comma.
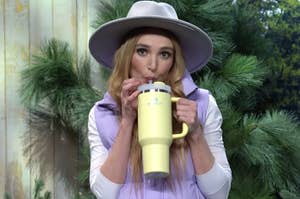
x: 152, y: 44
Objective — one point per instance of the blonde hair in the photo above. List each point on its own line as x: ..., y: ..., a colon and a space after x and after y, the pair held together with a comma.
x: 121, y: 71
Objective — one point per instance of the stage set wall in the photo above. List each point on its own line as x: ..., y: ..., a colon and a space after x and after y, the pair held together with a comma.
x: 24, y: 26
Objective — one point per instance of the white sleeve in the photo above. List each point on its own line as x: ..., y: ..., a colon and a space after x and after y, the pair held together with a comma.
x: 99, y: 184
x: 215, y: 184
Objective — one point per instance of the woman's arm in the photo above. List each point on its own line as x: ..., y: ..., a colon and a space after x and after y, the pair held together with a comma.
x: 108, y: 168
x: 207, y: 150
x: 115, y: 166
x: 112, y: 166
x: 99, y: 184
x: 216, y: 182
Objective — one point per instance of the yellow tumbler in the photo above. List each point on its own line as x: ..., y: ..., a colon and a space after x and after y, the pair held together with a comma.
x: 155, y: 132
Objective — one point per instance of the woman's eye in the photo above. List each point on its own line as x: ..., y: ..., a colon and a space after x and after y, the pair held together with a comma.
x: 141, y: 51
x: 165, y: 54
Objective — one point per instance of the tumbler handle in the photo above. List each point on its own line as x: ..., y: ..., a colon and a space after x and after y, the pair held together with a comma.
x: 185, y: 128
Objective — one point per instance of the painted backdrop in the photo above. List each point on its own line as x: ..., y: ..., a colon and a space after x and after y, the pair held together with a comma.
x: 24, y: 25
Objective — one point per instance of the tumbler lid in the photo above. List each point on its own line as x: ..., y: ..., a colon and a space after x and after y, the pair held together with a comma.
x: 156, y: 87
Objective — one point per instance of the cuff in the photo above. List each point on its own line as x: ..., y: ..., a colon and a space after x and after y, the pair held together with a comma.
x: 105, y: 188
x: 212, y: 181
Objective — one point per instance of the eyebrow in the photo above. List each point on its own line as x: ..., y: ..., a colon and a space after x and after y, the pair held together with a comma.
x: 162, y: 48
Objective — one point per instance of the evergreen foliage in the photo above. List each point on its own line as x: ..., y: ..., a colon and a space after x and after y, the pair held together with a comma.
x: 261, y: 141
x: 275, y: 37
x: 38, y: 187
x: 58, y: 96
x: 7, y: 196
x: 53, y: 87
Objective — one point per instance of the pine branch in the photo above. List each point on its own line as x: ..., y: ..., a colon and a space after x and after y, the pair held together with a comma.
x: 249, y: 31
x: 228, y: 87
x: 49, y: 72
x: 58, y: 96
x: 83, y: 177
x: 52, y: 80
x: 285, y: 194
x: 110, y: 10
x: 216, y: 14
x: 243, y: 186
x: 265, y: 153
x: 243, y: 71
x: 223, y: 47
x: 187, y: 9
x: 83, y: 71
x: 82, y: 99
x: 220, y: 89
x: 7, y: 196
x: 47, y: 195
x: 38, y: 187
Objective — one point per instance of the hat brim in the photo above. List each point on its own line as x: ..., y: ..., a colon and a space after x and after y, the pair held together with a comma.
x: 196, y: 45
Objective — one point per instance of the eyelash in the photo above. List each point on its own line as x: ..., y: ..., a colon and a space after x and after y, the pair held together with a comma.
x: 141, y: 51
x: 163, y: 54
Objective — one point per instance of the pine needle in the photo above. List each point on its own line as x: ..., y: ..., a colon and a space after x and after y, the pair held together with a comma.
x: 243, y: 71
x: 110, y: 10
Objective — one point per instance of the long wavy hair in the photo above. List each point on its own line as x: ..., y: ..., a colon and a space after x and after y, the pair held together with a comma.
x: 121, y: 71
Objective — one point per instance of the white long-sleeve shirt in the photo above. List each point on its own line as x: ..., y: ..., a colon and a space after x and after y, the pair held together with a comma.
x: 214, y: 184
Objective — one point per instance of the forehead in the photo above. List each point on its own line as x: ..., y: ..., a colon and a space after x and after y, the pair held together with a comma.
x: 155, y: 39
x: 136, y: 33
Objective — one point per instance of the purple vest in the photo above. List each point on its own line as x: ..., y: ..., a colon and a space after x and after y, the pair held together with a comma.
x: 107, y: 125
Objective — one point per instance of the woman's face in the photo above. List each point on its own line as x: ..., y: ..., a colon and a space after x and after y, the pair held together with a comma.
x: 152, y: 58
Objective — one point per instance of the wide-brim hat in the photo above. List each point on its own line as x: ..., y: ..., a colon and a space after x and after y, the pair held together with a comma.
x: 195, y: 43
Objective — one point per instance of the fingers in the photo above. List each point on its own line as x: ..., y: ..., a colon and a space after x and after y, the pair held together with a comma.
x: 186, y: 107
x: 132, y: 99
x: 186, y: 111
x: 129, y: 95
x: 129, y: 86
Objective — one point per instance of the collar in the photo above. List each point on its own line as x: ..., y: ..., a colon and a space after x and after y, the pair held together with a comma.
x: 188, y: 84
x: 108, y: 102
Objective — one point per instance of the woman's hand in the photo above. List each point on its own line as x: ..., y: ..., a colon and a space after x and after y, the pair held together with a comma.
x: 129, y: 94
x: 187, y: 111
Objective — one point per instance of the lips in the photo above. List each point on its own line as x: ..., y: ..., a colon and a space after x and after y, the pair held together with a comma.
x: 150, y: 79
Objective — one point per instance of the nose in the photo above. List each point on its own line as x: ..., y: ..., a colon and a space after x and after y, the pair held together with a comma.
x: 152, y: 65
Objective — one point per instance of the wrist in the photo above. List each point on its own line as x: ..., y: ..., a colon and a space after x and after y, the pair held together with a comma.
x: 196, y: 137
x: 127, y: 123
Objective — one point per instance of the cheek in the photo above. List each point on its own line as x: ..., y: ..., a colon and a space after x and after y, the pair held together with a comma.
x: 137, y: 67
x: 166, y: 67
x: 134, y: 72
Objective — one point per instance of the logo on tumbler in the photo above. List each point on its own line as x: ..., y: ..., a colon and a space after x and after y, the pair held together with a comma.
x: 153, y: 102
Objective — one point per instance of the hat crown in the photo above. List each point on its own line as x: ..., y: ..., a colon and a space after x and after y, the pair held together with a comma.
x: 151, y: 8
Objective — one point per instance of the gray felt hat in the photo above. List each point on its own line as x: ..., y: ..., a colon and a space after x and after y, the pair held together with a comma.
x: 195, y: 43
